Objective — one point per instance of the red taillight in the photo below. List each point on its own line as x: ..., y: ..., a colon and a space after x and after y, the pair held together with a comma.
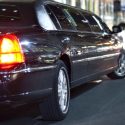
x: 10, y: 51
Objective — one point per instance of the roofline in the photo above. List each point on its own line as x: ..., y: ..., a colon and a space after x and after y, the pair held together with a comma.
x: 52, y: 1
x: 40, y: 1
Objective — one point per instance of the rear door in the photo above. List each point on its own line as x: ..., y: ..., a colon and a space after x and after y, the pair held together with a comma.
x: 79, y: 45
x: 71, y: 41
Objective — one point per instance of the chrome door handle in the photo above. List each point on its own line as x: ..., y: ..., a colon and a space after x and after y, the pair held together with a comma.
x: 66, y: 40
x: 80, y: 35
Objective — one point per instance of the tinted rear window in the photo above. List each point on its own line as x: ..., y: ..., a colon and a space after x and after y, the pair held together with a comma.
x: 61, y: 17
x: 79, y: 21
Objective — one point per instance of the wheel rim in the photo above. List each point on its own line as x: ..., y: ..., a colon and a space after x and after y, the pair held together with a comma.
x: 120, y: 71
x: 63, y: 91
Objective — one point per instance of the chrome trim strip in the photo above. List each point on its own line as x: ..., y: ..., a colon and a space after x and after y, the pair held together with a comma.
x: 96, y: 58
x: 26, y: 70
x: 35, y: 69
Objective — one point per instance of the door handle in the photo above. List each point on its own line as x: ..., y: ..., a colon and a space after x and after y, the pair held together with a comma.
x: 66, y: 40
x: 80, y: 35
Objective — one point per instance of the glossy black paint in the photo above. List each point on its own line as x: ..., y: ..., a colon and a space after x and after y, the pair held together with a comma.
x: 86, y: 55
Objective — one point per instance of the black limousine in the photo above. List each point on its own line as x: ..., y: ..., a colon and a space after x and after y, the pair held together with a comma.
x: 47, y: 48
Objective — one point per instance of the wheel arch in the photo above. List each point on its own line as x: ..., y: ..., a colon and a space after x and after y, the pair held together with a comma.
x: 65, y: 58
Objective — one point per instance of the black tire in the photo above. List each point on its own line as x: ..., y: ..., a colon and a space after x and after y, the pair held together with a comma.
x: 119, y: 73
x: 51, y: 108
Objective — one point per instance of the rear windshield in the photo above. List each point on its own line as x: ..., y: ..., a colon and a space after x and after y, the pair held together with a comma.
x: 9, y: 14
x: 17, y: 15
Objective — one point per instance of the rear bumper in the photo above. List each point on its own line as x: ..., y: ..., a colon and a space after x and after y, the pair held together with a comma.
x: 26, y: 86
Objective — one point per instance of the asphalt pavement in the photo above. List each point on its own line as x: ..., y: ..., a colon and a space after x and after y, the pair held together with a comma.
x: 94, y: 103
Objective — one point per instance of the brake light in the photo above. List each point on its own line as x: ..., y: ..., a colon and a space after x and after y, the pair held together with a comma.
x: 10, y: 51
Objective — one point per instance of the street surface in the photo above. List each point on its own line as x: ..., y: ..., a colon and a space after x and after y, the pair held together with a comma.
x: 94, y: 103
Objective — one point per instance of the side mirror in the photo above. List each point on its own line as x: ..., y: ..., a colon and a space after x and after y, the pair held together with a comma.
x: 116, y: 29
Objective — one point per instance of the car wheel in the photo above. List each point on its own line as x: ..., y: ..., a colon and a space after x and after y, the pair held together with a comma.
x: 119, y: 73
x: 57, y: 105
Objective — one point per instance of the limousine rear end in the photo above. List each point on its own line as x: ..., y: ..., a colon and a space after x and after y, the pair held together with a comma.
x: 47, y: 48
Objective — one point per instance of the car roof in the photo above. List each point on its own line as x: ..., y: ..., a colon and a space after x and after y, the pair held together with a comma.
x: 17, y: 0
x: 9, y: 2
x: 33, y: 2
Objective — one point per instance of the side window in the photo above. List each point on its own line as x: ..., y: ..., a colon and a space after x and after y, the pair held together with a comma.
x: 94, y: 23
x: 78, y: 20
x: 53, y: 18
x: 60, y: 16
x: 105, y: 27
